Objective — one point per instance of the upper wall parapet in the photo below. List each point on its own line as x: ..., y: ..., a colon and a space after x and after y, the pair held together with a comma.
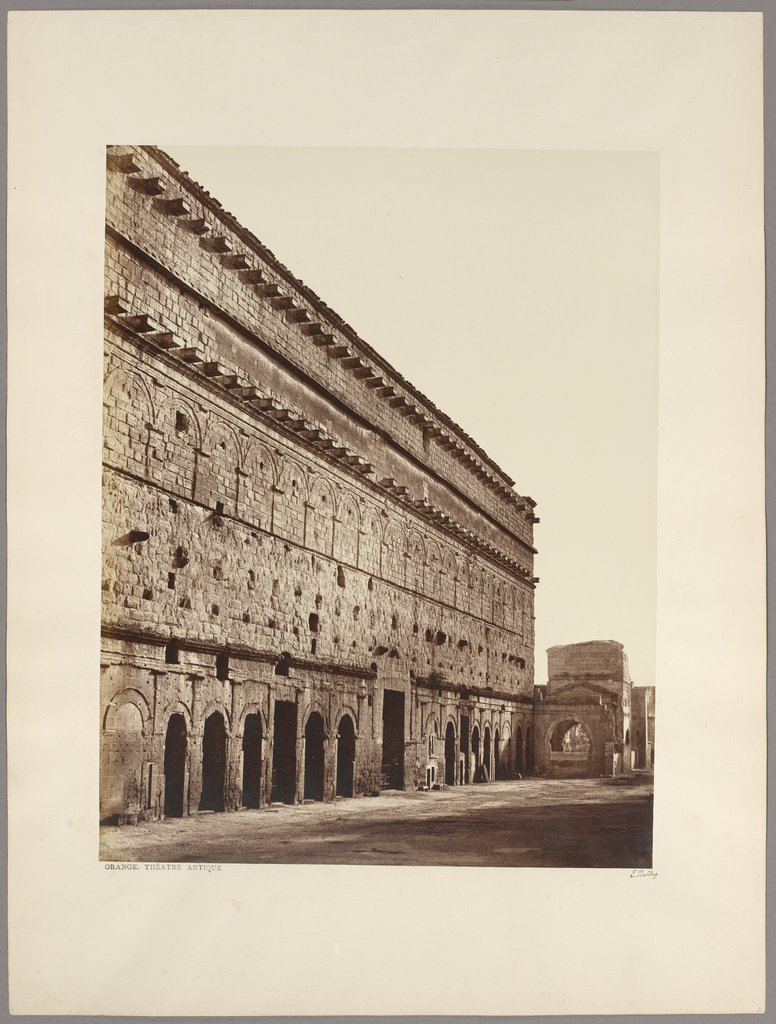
x: 290, y: 317
x: 593, y: 659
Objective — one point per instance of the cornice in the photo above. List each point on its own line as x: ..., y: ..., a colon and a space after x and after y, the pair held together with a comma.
x: 470, y: 454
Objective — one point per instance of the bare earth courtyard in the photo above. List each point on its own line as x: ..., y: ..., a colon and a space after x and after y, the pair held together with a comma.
x: 530, y: 823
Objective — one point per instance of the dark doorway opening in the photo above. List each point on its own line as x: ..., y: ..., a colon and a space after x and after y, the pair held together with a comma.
x: 251, y: 787
x: 213, y: 763
x: 496, y: 755
x: 519, y: 751
x: 486, y: 769
x: 475, y: 745
x: 393, y: 740
x: 284, y: 753
x: 174, y: 766
x: 346, y: 756
x: 465, y: 746
x: 313, y: 757
x: 450, y: 754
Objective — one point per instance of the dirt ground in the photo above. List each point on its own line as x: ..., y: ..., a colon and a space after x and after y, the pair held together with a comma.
x: 529, y: 823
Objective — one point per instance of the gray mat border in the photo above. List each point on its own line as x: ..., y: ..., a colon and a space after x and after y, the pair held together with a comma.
x: 768, y: 9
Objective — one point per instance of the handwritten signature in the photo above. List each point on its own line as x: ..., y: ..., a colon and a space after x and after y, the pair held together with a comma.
x: 643, y: 873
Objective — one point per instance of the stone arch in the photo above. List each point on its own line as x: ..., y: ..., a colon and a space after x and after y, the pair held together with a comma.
x: 315, y: 707
x: 450, y: 718
x: 433, y: 568
x: 475, y: 589
x: 346, y: 754
x: 128, y: 411
x: 315, y: 735
x: 215, y: 742
x: 519, y: 750
x: 570, y: 745
x: 487, y: 752
x: 120, y: 380
x: 416, y: 552
x: 498, y: 602
x: 181, y: 431
x: 520, y: 613
x: 346, y: 709
x: 487, y: 598
x: 509, y: 607
x: 451, y: 752
x: 462, y: 591
x: 252, y: 732
x: 448, y: 577
x: 347, y: 529
x: 175, y: 707
x: 127, y: 695
x: 476, y: 751
x: 256, y: 491
x: 370, y: 543
x: 290, y: 501
x: 253, y: 708
x: 432, y: 734
x: 121, y: 757
x: 431, y: 719
x: 217, y: 705
x: 217, y: 472
x: 393, y: 560
x: 175, y: 762
x: 321, y: 512
x: 557, y: 732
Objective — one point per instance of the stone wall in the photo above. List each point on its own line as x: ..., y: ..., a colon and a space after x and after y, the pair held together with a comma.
x: 588, y: 693
x: 280, y: 548
x: 643, y: 726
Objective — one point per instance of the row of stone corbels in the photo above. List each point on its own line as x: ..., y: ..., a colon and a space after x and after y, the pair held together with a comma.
x: 321, y: 334
x: 146, y: 331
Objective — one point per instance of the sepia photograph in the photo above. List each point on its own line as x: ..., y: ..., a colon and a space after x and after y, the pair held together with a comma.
x: 385, y: 533
x: 322, y: 640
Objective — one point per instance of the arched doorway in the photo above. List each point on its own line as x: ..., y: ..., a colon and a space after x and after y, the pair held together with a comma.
x: 486, y: 767
x: 213, y: 763
x: 570, y: 737
x: 519, y: 751
x: 346, y: 756
x: 284, y: 752
x: 570, y: 749
x: 251, y: 781
x: 175, y: 743
x: 313, y: 757
x: 450, y: 754
x: 121, y: 764
x: 475, y: 753
x: 529, y: 758
x: 496, y: 755
x: 465, y: 748
x: 393, y: 740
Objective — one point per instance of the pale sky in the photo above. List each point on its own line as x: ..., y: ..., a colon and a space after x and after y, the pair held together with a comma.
x: 518, y: 290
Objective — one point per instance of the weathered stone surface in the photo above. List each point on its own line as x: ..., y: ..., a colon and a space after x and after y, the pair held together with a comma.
x: 583, y: 714
x: 281, y: 543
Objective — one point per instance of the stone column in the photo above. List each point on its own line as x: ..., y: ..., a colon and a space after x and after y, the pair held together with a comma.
x: 267, y: 743
x: 193, y: 782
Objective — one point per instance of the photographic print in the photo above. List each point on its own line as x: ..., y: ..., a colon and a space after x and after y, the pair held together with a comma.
x: 385, y: 464
x: 319, y: 635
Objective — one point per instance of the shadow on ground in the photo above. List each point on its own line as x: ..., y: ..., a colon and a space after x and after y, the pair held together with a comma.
x: 603, y: 823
